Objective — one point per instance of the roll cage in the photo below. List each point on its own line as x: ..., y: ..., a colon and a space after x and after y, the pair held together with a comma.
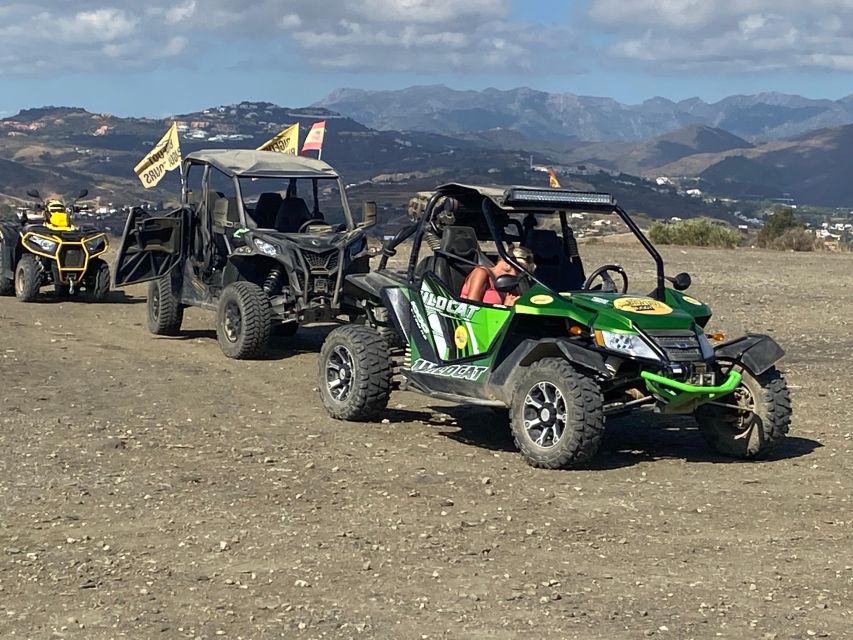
x: 497, y: 203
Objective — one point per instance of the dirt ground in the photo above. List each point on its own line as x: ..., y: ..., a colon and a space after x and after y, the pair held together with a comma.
x: 152, y: 488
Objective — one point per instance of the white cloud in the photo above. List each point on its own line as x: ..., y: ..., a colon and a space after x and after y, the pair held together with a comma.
x: 729, y: 35
x: 414, y: 36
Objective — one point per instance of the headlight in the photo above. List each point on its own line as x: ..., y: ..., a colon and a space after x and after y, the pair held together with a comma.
x: 48, y: 246
x: 265, y: 247
x: 630, y: 344
x: 95, y: 245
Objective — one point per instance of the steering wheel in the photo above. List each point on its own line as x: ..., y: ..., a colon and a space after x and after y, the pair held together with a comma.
x: 607, y: 285
x: 304, y: 226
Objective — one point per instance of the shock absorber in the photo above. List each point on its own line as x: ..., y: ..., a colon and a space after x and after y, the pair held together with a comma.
x: 432, y: 240
x: 273, y: 281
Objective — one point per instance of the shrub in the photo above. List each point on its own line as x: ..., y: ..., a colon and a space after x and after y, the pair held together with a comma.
x: 775, y: 226
x: 794, y: 240
x: 698, y: 232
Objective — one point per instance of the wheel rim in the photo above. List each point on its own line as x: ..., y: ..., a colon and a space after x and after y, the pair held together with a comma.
x: 339, y: 373
x: 155, y: 304
x: 19, y: 282
x: 544, y: 414
x: 233, y: 322
x: 745, y: 417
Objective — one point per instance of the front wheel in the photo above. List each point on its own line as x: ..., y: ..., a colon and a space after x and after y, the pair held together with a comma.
x: 557, y: 415
x: 165, y: 312
x: 28, y: 278
x: 752, y: 420
x: 98, y: 280
x: 243, y: 321
x: 7, y: 285
x: 355, y: 373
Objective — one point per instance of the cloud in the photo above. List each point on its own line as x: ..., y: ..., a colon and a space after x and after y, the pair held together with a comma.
x: 415, y: 36
x: 728, y: 35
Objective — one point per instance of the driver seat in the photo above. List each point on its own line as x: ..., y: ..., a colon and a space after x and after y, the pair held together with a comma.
x: 456, y: 257
x: 266, y: 209
x: 292, y: 213
x: 553, y: 266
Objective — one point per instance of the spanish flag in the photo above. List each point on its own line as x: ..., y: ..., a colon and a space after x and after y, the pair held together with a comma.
x: 314, y: 139
x: 286, y: 142
x: 163, y: 157
x: 552, y: 179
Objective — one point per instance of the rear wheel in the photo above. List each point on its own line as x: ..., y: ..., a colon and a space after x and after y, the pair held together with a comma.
x: 28, y: 278
x: 7, y: 285
x: 98, y: 280
x: 557, y: 415
x: 751, y: 421
x: 243, y: 321
x: 355, y: 373
x: 165, y: 312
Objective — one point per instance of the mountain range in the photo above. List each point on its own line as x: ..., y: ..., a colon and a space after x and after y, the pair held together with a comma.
x: 63, y: 148
x: 567, y: 117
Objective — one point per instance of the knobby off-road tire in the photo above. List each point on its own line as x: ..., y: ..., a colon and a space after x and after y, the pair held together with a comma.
x: 27, y: 278
x: 243, y: 321
x: 355, y: 373
x: 98, y: 280
x: 165, y: 312
x: 741, y: 434
x: 557, y: 415
x: 7, y: 285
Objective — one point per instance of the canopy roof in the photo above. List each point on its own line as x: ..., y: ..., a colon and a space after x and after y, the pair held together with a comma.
x: 249, y: 162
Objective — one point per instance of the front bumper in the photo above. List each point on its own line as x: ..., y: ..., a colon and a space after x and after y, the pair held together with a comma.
x: 675, y: 396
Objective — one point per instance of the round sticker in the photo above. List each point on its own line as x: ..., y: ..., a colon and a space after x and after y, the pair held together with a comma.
x: 690, y: 300
x: 647, y: 306
x: 541, y: 299
x: 461, y: 337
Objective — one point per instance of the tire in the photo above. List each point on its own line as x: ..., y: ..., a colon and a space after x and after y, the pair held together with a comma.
x: 733, y: 434
x: 355, y: 373
x: 555, y: 385
x: 27, y: 278
x: 98, y: 280
x: 7, y: 285
x: 243, y: 321
x: 165, y: 312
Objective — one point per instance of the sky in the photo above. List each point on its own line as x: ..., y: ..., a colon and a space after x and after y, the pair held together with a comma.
x: 159, y: 57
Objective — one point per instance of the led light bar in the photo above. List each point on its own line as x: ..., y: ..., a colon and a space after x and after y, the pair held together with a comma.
x: 559, y: 198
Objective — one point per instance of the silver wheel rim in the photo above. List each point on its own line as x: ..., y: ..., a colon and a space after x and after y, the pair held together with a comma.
x: 19, y: 282
x: 339, y: 373
x: 155, y: 305
x: 233, y: 322
x: 544, y: 415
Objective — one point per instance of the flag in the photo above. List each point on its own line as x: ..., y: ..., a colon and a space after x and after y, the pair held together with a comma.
x: 552, y: 179
x: 285, y: 142
x: 165, y: 156
x: 314, y: 139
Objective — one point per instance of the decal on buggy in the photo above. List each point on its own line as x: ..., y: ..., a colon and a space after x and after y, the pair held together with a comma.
x: 647, y: 306
x: 460, y: 371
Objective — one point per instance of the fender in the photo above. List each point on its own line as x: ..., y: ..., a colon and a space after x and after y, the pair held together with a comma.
x: 756, y: 352
x: 8, y: 243
x: 529, y: 351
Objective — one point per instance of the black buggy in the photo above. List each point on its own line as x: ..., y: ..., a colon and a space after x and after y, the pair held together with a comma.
x: 261, y: 238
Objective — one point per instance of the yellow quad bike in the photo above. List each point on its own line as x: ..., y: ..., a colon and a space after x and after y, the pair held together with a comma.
x: 48, y: 248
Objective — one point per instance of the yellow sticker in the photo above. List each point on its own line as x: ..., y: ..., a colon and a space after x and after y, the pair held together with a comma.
x: 461, y: 337
x: 690, y: 300
x: 541, y: 299
x: 647, y: 306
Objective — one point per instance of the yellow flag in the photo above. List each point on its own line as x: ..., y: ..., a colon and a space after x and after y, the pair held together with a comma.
x: 552, y: 179
x: 285, y: 142
x: 165, y: 156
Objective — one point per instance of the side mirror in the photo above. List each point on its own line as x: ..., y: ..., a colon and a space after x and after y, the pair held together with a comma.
x: 368, y: 214
x: 22, y: 216
x: 33, y: 193
x: 681, y: 282
x: 505, y: 284
x: 83, y: 193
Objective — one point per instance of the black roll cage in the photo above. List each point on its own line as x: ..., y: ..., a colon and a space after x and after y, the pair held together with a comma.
x: 418, y: 229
